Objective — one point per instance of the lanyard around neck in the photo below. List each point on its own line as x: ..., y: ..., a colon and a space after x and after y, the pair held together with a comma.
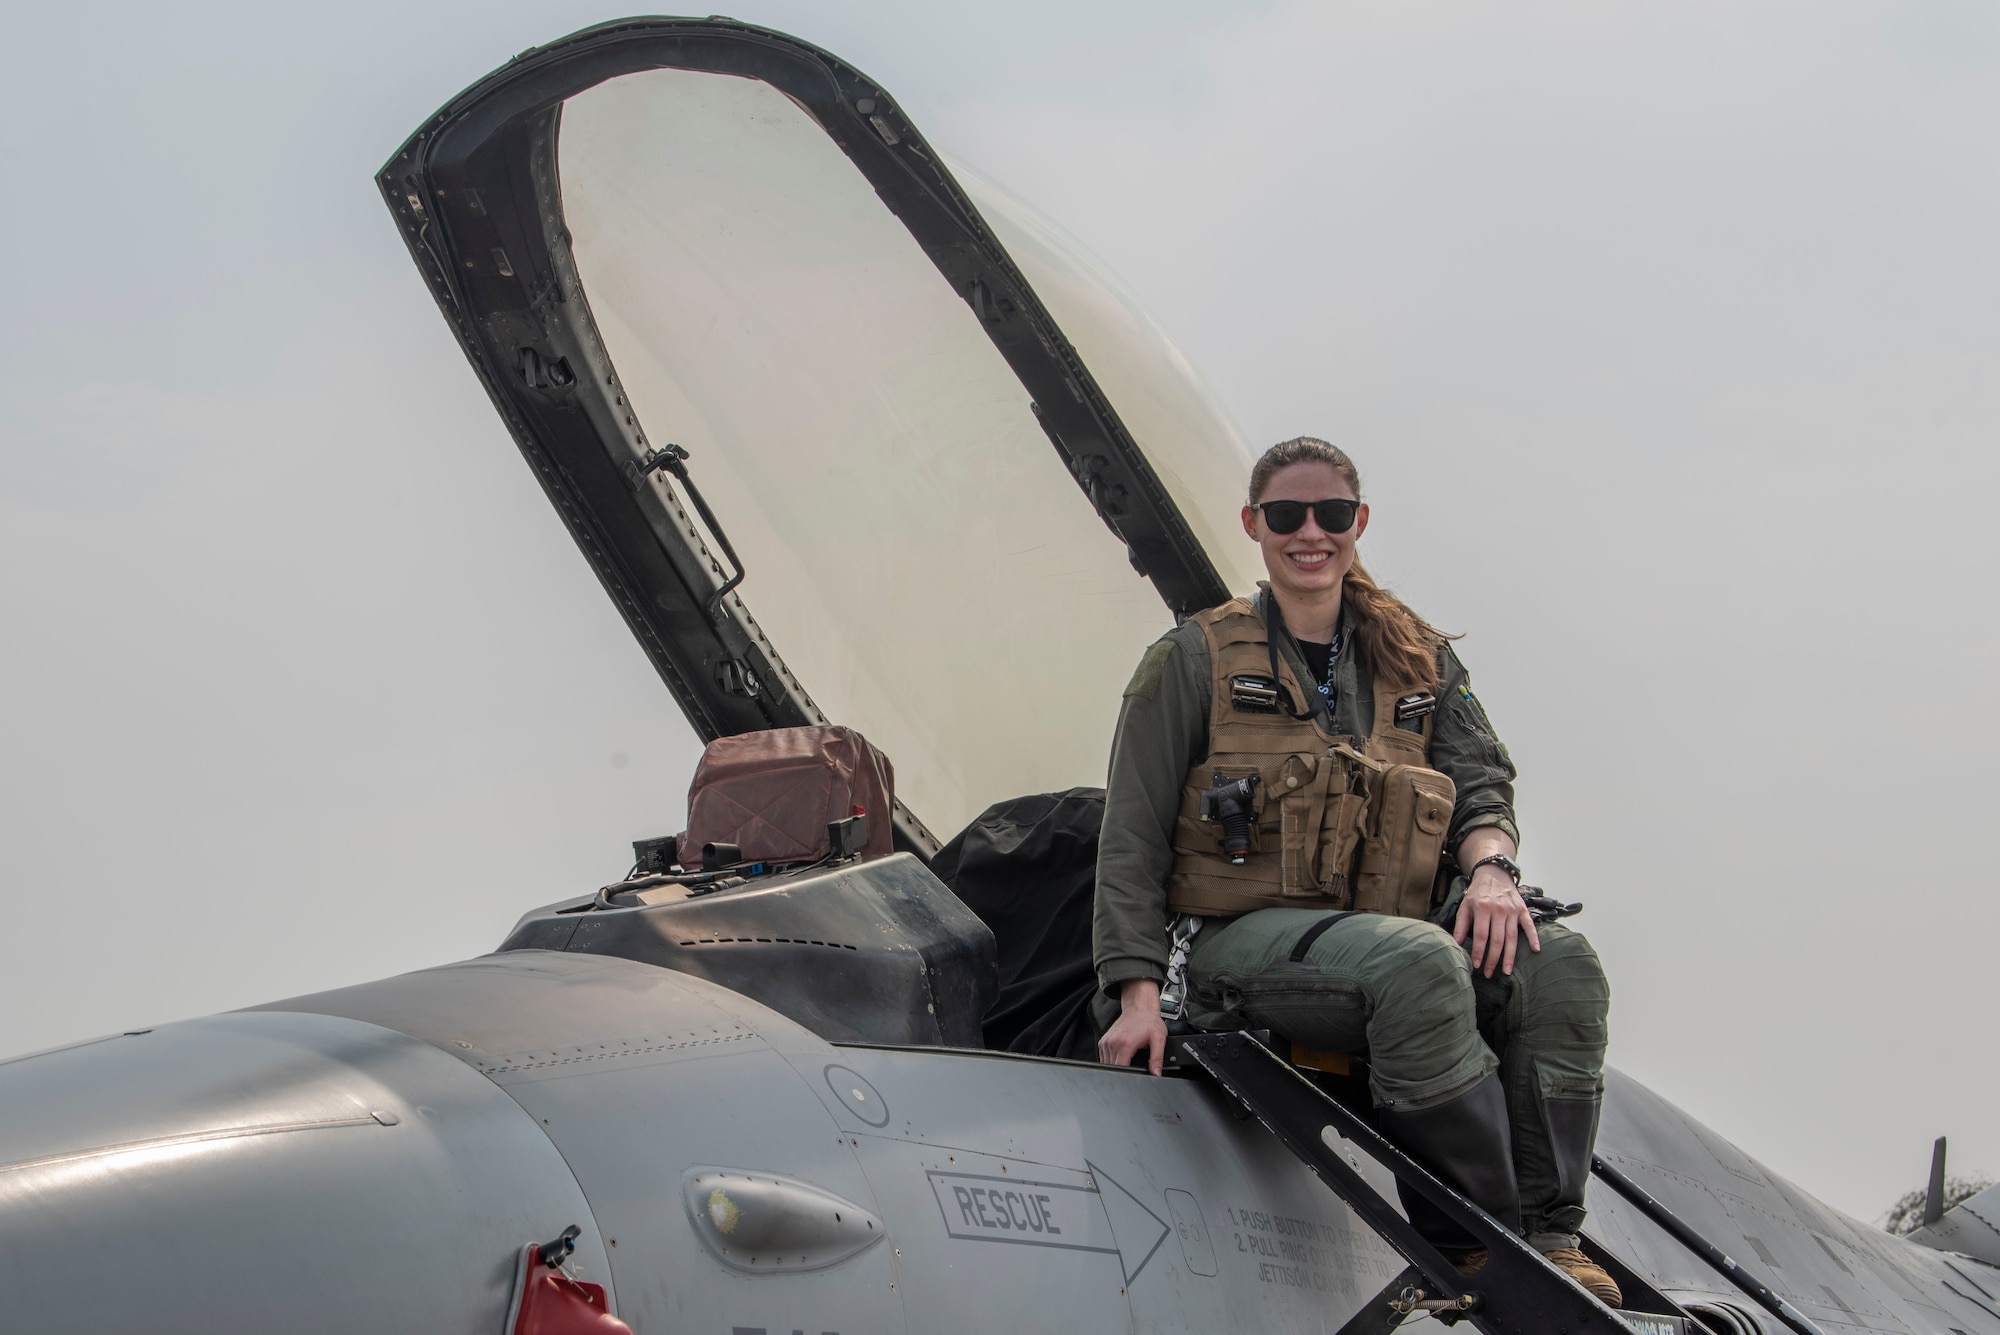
x: 1274, y: 626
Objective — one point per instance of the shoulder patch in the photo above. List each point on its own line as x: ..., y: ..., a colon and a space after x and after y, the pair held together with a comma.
x: 1145, y: 681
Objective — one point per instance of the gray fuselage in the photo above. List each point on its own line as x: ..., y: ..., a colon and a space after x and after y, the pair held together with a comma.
x: 374, y: 1159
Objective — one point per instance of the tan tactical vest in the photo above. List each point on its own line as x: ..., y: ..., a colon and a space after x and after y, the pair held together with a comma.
x: 1341, y: 823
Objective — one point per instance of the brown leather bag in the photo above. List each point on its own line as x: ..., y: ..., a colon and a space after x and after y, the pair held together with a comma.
x: 772, y: 793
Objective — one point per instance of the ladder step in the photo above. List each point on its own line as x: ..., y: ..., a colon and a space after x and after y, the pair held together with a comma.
x: 1515, y: 1291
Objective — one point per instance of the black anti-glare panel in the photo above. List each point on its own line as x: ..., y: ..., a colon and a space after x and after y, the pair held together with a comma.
x: 873, y: 951
x: 475, y: 194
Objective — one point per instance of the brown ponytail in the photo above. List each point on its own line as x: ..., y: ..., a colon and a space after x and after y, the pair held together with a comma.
x: 1395, y: 640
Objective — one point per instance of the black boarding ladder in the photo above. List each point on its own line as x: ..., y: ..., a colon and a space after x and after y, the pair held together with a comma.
x: 1516, y: 1292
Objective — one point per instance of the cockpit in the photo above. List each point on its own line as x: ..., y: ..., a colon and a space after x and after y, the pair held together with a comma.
x: 985, y: 946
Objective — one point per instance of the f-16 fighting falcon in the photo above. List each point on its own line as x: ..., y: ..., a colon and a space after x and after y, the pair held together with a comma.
x: 893, y: 488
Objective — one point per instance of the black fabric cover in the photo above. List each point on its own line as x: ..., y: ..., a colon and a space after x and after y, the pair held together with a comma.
x: 1028, y: 868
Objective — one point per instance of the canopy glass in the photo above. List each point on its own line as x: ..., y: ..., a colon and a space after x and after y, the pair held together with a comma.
x: 1187, y: 436
x: 916, y: 551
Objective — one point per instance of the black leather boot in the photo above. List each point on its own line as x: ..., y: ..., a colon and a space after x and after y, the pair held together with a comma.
x: 1467, y: 1144
x: 1572, y: 1130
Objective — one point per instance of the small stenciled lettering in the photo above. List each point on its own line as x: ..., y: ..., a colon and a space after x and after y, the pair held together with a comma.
x: 1297, y: 1253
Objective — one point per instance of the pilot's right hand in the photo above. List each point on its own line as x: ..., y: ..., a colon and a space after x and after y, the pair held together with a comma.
x: 1139, y: 1027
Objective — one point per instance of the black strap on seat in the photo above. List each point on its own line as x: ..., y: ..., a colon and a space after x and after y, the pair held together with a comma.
x: 1312, y: 934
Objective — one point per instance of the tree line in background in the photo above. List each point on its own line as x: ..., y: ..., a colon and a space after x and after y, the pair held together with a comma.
x: 1908, y: 1211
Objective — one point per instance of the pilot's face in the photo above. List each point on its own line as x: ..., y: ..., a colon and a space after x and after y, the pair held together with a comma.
x: 1310, y: 561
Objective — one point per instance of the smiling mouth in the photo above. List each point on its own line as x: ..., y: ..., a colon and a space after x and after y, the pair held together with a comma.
x: 1309, y: 560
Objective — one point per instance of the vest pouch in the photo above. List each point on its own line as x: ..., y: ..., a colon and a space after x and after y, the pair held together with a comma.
x: 1344, y: 822
x: 1403, y: 841
x: 1300, y: 791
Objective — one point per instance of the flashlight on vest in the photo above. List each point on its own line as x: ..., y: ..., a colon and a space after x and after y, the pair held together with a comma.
x: 1232, y: 802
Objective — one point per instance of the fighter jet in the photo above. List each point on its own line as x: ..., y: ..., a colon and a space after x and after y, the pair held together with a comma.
x: 851, y: 438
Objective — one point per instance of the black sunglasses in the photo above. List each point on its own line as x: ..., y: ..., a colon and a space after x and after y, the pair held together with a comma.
x: 1335, y: 516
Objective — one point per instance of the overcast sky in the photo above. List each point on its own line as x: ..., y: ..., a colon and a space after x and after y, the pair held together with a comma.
x: 1667, y: 336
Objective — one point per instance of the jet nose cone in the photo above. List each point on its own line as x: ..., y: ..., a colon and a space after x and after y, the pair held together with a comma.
x: 269, y: 1171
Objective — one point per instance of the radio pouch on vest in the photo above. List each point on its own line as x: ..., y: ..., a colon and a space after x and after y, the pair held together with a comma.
x: 1409, y: 812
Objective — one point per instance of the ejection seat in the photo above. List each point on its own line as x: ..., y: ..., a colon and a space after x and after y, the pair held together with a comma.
x: 785, y: 888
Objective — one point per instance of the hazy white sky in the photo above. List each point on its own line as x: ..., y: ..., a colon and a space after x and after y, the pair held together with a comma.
x: 1668, y: 338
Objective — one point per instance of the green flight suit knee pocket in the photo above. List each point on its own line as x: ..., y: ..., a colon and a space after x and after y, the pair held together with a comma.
x: 1570, y: 1108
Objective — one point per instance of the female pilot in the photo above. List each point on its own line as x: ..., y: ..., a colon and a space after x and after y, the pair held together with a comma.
x: 1352, y: 869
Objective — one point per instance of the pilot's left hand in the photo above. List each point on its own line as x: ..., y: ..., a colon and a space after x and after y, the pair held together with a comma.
x: 1496, y: 917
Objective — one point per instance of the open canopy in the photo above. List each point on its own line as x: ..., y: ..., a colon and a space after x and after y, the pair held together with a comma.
x: 785, y: 377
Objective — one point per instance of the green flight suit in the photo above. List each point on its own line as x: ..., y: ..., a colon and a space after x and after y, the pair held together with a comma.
x: 1399, y: 988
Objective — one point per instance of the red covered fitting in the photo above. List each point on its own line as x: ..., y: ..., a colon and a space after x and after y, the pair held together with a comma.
x: 548, y: 1302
